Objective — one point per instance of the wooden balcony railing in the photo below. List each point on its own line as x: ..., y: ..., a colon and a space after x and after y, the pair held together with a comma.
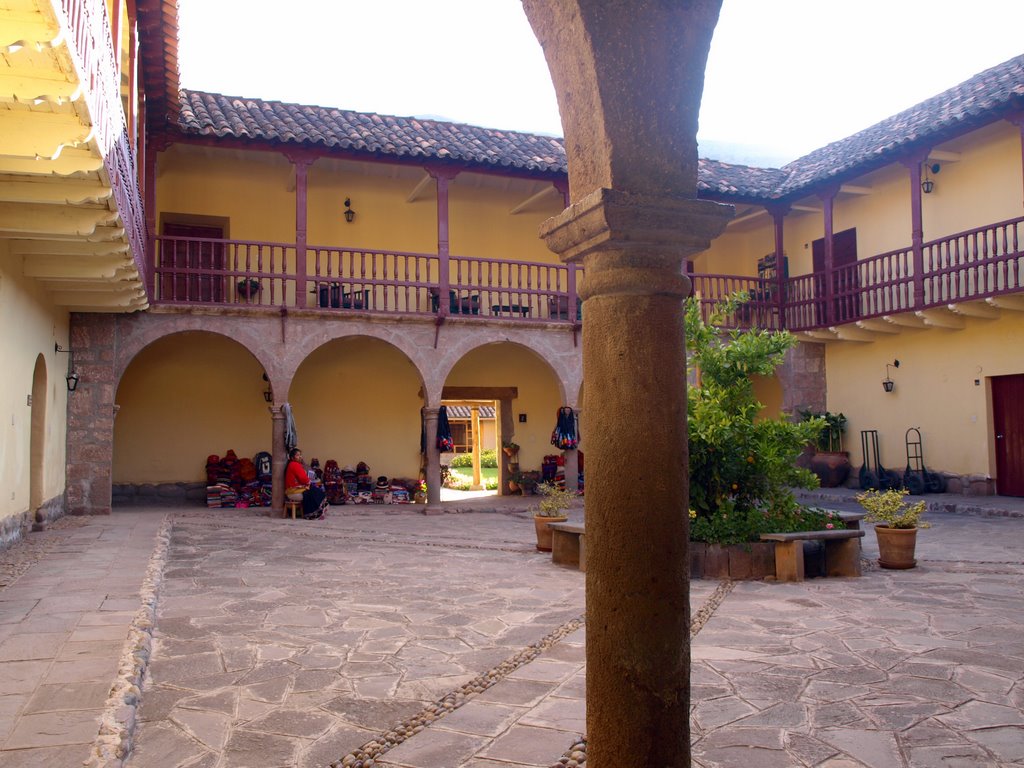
x: 90, y: 44
x: 971, y: 265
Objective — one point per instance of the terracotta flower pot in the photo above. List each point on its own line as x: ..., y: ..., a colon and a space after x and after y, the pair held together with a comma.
x: 896, y: 547
x: 543, y: 532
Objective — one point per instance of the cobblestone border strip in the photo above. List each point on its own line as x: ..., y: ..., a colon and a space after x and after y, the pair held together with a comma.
x: 576, y: 755
x: 367, y: 755
x: 117, y: 723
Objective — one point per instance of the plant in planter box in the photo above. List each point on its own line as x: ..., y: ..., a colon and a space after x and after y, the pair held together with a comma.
x: 550, y: 509
x: 896, y: 523
x: 830, y: 462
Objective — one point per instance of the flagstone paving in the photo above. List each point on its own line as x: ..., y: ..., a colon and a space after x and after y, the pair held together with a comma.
x: 410, y: 641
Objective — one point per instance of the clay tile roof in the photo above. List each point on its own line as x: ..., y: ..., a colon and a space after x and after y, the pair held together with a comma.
x: 975, y: 102
x: 465, y: 412
x: 988, y: 96
x: 158, y: 49
x: 212, y: 114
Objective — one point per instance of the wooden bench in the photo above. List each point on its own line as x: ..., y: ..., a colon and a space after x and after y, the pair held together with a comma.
x: 842, y: 552
x: 567, y: 545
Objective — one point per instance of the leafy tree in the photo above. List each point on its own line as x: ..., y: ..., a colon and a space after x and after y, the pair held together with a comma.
x: 742, y: 468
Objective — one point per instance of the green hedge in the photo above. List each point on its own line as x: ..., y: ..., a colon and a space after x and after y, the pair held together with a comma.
x: 487, y: 459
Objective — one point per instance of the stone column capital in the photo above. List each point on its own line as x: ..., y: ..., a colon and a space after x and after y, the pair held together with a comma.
x: 276, y: 412
x: 628, y: 241
x: 430, y: 413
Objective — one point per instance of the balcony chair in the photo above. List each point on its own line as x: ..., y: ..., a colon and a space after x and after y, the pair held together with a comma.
x: 558, y: 308
x: 457, y: 305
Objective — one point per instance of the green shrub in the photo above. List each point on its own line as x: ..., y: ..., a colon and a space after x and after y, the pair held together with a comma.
x: 740, y: 465
x: 731, y: 525
x: 465, y: 460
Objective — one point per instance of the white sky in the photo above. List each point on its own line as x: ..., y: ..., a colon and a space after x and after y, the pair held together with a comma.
x: 784, y: 76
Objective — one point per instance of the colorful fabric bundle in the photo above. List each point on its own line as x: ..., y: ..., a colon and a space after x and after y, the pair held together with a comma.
x: 566, y: 434
x: 444, y: 431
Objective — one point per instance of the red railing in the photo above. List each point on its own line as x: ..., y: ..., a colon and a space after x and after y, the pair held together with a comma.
x: 982, y: 262
x: 968, y: 266
x: 89, y: 38
x: 760, y: 311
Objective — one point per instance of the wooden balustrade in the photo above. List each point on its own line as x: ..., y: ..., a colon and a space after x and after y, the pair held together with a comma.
x: 983, y: 262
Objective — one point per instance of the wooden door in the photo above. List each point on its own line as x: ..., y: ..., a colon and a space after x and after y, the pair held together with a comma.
x: 198, y: 263
x: 1008, y: 428
x: 845, y: 279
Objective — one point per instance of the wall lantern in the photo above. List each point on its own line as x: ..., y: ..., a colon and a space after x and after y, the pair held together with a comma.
x: 888, y: 384
x: 927, y: 185
x: 72, y: 377
x: 268, y: 393
x: 349, y: 213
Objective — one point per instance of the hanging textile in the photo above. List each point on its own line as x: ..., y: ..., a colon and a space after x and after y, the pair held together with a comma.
x: 444, y: 431
x: 566, y: 435
x: 291, y: 439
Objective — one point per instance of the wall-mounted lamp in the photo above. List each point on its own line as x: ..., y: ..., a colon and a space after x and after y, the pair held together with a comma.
x: 72, y: 377
x: 927, y: 185
x: 349, y: 213
x: 888, y: 384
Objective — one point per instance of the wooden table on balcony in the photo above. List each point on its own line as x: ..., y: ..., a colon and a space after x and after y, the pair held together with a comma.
x: 523, y: 310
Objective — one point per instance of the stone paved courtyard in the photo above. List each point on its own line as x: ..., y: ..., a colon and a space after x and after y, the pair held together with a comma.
x: 411, y: 641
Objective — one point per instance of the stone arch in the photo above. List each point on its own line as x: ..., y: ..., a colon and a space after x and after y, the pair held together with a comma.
x: 199, y: 392
x: 557, y: 352
x: 37, y: 435
x: 145, y: 329
x: 358, y: 397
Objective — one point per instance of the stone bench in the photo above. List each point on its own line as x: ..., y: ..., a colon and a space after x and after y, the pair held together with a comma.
x: 842, y: 552
x: 567, y: 545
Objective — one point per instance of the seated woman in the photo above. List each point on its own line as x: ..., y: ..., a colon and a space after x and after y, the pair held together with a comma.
x: 297, y: 487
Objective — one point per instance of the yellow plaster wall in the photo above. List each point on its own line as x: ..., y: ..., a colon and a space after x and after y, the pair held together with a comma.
x: 182, y: 398
x: 358, y: 399
x: 480, y: 223
x: 768, y: 391
x: 33, y: 326
x: 256, y: 191
x: 983, y: 187
x: 506, y: 365
x: 383, y: 217
x: 737, y: 252
x: 935, y: 391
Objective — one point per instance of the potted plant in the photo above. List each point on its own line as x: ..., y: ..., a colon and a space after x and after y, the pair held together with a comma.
x: 514, y: 480
x: 248, y: 288
x: 510, y: 448
x: 550, y: 509
x: 896, y: 523
x: 829, y: 461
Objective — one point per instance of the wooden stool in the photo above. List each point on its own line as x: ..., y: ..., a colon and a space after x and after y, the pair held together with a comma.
x: 291, y: 506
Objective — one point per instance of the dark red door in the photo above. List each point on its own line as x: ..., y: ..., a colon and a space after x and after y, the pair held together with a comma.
x: 845, y: 278
x: 194, y: 270
x: 1008, y: 423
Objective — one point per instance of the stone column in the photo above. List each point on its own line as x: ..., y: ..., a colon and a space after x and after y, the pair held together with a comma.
x: 802, y: 375
x: 433, y: 458
x: 90, y: 434
x: 278, y: 459
x: 632, y: 247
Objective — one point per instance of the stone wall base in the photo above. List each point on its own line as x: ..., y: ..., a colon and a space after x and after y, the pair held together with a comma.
x: 159, y: 494
x: 970, y: 485
x: 15, y: 527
